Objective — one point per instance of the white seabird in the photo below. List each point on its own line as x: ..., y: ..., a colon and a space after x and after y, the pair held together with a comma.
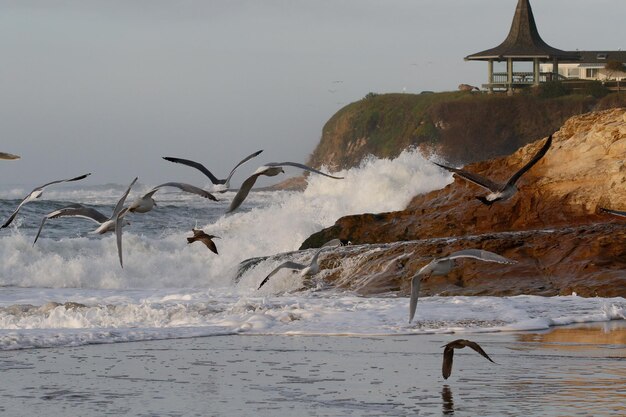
x: 36, y: 193
x: 448, y: 354
x: 221, y: 185
x: 499, y: 191
x: 443, y: 265
x: 145, y: 203
x: 305, y: 270
x: 106, y: 224
x: 269, y: 170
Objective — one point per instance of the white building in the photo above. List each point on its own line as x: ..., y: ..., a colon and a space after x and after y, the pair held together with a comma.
x: 591, y: 66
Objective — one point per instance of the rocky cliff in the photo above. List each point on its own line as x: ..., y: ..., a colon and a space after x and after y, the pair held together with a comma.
x: 551, y: 227
x: 462, y: 127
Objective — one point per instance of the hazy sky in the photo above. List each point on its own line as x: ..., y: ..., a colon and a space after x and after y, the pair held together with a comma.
x: 111, y: 86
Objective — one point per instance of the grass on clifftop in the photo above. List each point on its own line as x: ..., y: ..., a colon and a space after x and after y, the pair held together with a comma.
x: 463, y: 127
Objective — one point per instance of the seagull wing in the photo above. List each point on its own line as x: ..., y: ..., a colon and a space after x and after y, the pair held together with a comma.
x: 448, y: 357
x: 416, y: 282
x: 481, y: 255
x: 80, y: 177
x: 118, y: 207
x: 475, y: 178
x: 615, y: 212
x: 477, y: 348
x: 197, y: 166
x: 8, y: 156
x: 12, y: 216
x: 188, y: 188
x: 243, y: 192
x: 532, y: 162
x: 74, y: 210
x: 118, y: 233
x: 288, y: 264
x: 243, y: 161
x: 301, y: 166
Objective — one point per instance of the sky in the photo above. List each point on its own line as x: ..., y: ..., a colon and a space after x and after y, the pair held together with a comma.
x: 110, y: 87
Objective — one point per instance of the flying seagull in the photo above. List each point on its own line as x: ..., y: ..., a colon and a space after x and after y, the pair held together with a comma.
x: 443, y: 265
x: 36, y: 193
x: 499, y: 191
x: 269, y: 170
x: 448, y: 354
x: 200, y: 236
x: 8, y: 156
x: 305, y: 270
x: 145, y: 203
x: 106, y: 224
x: 221, y: 185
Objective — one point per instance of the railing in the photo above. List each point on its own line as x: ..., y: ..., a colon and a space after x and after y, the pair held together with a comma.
x: 525, y: 78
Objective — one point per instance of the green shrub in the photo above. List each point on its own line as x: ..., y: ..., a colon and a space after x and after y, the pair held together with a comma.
x: 595, y: 89
x: 552, y: 89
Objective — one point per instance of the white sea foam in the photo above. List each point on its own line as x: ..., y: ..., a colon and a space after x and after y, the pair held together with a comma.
x: 268, y: 223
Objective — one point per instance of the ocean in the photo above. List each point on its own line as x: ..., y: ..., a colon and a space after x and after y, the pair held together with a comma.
x: 69, y: 289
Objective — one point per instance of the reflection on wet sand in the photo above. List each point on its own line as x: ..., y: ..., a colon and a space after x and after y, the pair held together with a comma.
x: 583, y: 336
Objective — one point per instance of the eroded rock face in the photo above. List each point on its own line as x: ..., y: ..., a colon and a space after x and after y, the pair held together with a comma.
x: 560, y: 242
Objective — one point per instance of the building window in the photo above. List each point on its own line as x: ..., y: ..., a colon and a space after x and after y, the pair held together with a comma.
x: 573, y: 73
x: 591, y: 73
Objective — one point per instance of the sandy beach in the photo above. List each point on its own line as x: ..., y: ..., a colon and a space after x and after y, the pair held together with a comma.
x: 571, y: 370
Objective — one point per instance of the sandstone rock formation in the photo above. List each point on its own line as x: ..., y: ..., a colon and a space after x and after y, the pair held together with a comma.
x: 551, y: 226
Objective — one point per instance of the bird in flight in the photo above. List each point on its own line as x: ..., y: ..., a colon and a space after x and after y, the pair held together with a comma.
x: 499, y: 191
x: 221, y: 185
x: 448, y: 354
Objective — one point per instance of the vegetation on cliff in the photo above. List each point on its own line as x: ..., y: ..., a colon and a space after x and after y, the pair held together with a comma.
x: 461, y: 127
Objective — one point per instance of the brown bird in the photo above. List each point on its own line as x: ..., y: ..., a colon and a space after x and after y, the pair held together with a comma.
x: 448, y: 354
x: 200, y: 236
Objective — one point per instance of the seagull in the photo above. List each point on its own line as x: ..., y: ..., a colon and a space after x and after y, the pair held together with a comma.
x: 499, y: 191
x: 8, y: 156
x: 615, y: 212
x: 269, y: 170
x: 448, y: 354
x: 106, y: 224
x: 200, y: 236
x: 443, y: 265
x: 305, y: 270
x: 221, y: 185
x: 36, y: 193
x: 145, y: 203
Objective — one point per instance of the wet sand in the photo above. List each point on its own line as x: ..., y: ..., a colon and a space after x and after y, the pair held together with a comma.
x: 567, y: 371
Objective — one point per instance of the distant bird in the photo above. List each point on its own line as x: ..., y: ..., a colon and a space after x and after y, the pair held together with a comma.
x: 305, y: 270
x: 499, y: 191
x: 145, y: 203
x: 221, y: 185
x: 448, y: 354
x: 107, y: 224
x: 443, y: 265
x: 36, y: 193
x: 8, y: 156
x: 269, y: 170
x: 200, y: 236
x: 614, y: 212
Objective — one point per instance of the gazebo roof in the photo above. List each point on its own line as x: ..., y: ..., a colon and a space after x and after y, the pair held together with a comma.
x: 523, y: 41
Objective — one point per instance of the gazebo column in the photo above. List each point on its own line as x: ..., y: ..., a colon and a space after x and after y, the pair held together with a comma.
x: 509, y: 76
x: 490, y: 75
x: 536, y: 71
x: 555, y: 69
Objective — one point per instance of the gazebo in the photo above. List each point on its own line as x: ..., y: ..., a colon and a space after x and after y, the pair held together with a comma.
x: 522, y: 44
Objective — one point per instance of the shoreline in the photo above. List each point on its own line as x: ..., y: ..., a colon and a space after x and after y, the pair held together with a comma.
x: 550, y: 372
